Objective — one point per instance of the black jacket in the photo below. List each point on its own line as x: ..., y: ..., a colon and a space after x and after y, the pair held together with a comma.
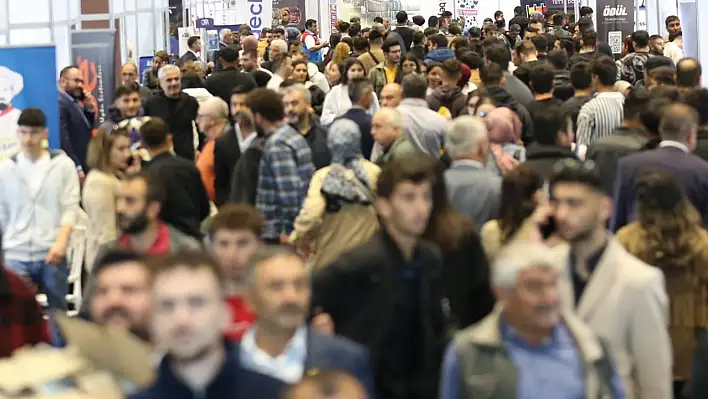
x: 702, y: 144
x: 226, y: 154
x: 317, y: 96
x: 502, y: 98
x: 221, y: 83
x: 419, y: 52
x: 187, y: 202
x: 543, y: 157
x: 523, y: 72
x: 406, y: 34
x: 363, y: 120
x: 179, y: 115
x: 317, y: 139
x: 359, y: 292
x: 244, y: 180
x: 607, y: 151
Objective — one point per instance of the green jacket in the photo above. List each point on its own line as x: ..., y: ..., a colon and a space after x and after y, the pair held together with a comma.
x: 402, y: 146
x: 377, y: 75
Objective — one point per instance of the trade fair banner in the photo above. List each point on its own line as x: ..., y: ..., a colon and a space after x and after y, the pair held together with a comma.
x: 28, y: 79
x: 289, y: 13
x: 94, y: 52
x: 257, y: 14
x: 615, y: 20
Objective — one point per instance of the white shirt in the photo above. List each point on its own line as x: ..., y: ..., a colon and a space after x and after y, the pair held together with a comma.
x: 33, y: 173
x: 673, y: 51
x: 288, y: 367
x: 274, y: 83
x: 675, y: 144
x: 244, y: 143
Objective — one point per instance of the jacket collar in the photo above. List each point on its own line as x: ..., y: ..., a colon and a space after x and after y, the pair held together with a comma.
x: 415, y: 102
x: 220, y: 386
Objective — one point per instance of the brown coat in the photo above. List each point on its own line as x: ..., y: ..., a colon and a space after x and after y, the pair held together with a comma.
x: 687, y: 289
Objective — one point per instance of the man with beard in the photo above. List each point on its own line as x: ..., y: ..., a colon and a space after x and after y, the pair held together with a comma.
x: 278, y: 290
x: 298, y: 111
x: 77, y: 115
x: 387, y: 71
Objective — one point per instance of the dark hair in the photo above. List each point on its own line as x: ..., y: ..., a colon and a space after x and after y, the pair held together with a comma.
x: 244, y: 86
x: 568, y: 45
x: 663, y: 75
x: 378, y: 20
x: 279, y: 31
x: 156, y: 191
x: 348, y: 41
x: 673, y: 36
x: 193, y: 260
x: 344, y: 26
x: 541, y: 43
x: 670, y: 19
x: 360, y: 44
x: 414, y: 86
x: 154, y: 132
x: 409, y: 168
x: 697, y: 98
x: 605, y: 69
x: 575, y: 171
x: 356, y: 87
x: 66, y: 70
x: 236, y: 217
x: 491, y: 75
x: 388, y: 43
x: 558, y: 20
x: 498, y: 54
x: 32, y: 117
x: 327, y: 383
x: 375, y: 36
x: 430, y: 31
x: 354, y: 30
x: 460, y: 43
x: 126, y: 90
x: 658, y: 61
x: 401, y: 17
x: 192, y: 40
x: 418, y: 37
x: 228, y: 54
x: 309, y: 23
x: 580, y: 76
x: 636, y: 100
x: 113, y: 257
x: 640, y: 38
x: 261, y: 77
x: 590, y: 38
x: 267, y: 103
x: 671, y: 93
x: 498, y: 13
x: 452, y: 68
x: 541, y: 78
x: 584, y: 24
x: 558, y: 59
x: 454, y: 29
x: 347, y: 66
x: 519, y: 187
x: 471, y: 59
x: 439, y: 40
x: 585, y: 11
x: 334, y: 40
x: 652, y: 113
x: 475, y: 32
x: 548, y: 121
x: 266, y: 31
x: 688, y: 72
x: 411, y: 57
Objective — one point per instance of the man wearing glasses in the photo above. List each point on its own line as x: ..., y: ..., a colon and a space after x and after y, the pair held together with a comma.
x: 77, y: 115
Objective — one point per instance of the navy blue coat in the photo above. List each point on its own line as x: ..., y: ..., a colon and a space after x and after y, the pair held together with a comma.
x: 688, y: 169
x: 75, y: 129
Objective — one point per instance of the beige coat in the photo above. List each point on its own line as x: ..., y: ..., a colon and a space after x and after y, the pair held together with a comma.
x: 99, y: 201
x: 338, y: 232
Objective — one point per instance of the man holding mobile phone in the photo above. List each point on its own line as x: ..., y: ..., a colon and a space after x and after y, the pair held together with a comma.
x: 77, y: 115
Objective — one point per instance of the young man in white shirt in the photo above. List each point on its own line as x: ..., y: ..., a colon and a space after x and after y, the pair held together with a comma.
x: 39, y: 201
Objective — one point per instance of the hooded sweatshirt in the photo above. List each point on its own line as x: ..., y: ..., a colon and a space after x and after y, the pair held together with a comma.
x: 450, y: 97
x: 439, y: 54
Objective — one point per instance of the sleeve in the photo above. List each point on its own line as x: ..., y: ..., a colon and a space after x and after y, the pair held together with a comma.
x: 329, y: 285
x: 266, y: 193
x: 586, y: 125
x: 71, y: 195
x: 649, y: 342
x: 699, y: 376
x: 202, y: 198
x: 329, y: 108
x: 312, y: 209
x: 101, y: 193
x: 65, y: 136
x: 320, y: 80
x: 365, y: 373
x: 287, y: 182
x: 206, y: 167
x: 620, y: 206
x: 449, y: 378
x: 309, y: 42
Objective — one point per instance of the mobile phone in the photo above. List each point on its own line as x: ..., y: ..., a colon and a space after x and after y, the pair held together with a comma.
x: 549, y: 228
x: 131, y: 160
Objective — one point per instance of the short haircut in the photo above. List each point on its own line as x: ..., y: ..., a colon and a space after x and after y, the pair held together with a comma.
x: 585, y: 11
x: 154, y: 132
x: 326, y: 384
x: 670, y: 19
x: 430, y: 31
x: 167, y: 68
x: 464, y: 134
x: 548, y: 121
x: 636, y: 100
x: 126, y: 90
x: 491, y: 75
x: 475, y: 32
x: 452, y: 68
x: 663, y: 75
x: 344, y: 26
x: 388, y: 43
x: 697, y: 98
x: 584, y: 24
x: 192, y: 41
x: 526, y: 48
x: 375, y: 36
x: 640, y: 38
x: 677, y: 122
x: 498, y: 13
x: 356, y: 88
x: 575, y: 171
x: 193, y: 260
x: 279, y: 31
x: 414, y: 85
x: 114, y: 257
x: 412, y: 168
x: 438, y: 39
x: 296, y: 87
x: 541, y: 43
x: 460, y: 43
x: 418, y: 37
x: 401, y: 17
x: 519, y: 256
x: 65, y: 71
x: 655, y: 37
x: 378, y: 20
x: 393, y: 117
x: 265, y: 253
x: 354, y: 30
x: 267, y: 103
x: 360, y: 44
x: 559, y: 59
x: 558, y: 20
x: 688, y: 72
x: 244, y: 86
x: 471, y: 59
x: 498, y: 54
x: 589, y: 38
x: 541, y: 78
x: 217, y: 105
x: 236, y: 217
x: 454, y: 30
x: 280, y: 44
x: 658, y: 61
x: 156, y: 191
x: 162, y: 55
x: 653, y: 112
x: 605, y: 69
x: 580, y: 76
x: 309, y: 23
x: 32, y: 117
x: 228, y: 54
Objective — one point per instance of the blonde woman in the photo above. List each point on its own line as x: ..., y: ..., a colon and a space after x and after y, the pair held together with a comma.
x: 109, y: 158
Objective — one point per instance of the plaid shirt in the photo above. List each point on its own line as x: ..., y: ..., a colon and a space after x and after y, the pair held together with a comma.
x: 21, y: 321
x: 283, y: 177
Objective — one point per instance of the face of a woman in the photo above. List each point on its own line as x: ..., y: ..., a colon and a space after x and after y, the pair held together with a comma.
x: 409, y: 67
x: 355, y: 71
x: 435, y: 78
x: 332, y: 74
x: 120, y: 153
x: 300, y: 73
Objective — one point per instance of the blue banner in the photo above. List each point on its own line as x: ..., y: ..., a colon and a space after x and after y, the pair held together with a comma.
x: 144, y: 63
x: 28, y: 79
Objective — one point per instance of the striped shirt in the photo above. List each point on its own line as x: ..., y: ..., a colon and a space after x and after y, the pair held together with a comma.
x: 599, y: 117
x: 283, y: 177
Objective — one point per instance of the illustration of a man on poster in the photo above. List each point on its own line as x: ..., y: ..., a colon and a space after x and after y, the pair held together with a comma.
x: 11, y: 84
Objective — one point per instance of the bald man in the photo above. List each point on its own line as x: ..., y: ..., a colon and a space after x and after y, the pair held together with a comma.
x: 213, y: 121
x: 391, y: 95
x: 688, y: 74
x: 387, y: 129
x: 129, y: 76
x: 327, y: 385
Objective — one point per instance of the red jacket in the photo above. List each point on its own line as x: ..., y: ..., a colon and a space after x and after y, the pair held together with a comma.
x: 22, y: 321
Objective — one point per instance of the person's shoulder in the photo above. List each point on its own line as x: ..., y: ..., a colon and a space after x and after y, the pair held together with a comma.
x: 634, y: 272
x: 17, y: 285
x: 337, y: 345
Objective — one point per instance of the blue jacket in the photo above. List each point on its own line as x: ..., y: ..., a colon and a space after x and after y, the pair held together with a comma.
x: 439, y: 55
x: 75, y: 129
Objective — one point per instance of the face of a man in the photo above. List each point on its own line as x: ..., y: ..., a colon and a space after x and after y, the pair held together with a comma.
x: 277, y: 36
x: 674, y: 26
x: 228, y: 37
x: 269, y: 37
x: 657, y: 46
x: 129, y: 74
x: 189, y: 316
x: 295, y: 105
x: 129, y: 104
x: 386, y: 24
x: 233, y: 249
x: 197, y: 47
x: 408, y: 209
x: 171, y: 82
x: 73, y: 83
x: 238, y: 103
x: 578, y: 210
x: 32, y: 138
x: 280, y: 292
x: 314, y: 28
x: 535, y: 298
x: 394, y: 55
x: 382, y: 131
x: 132, y: 210
x: 123, y: 298
x: 391, y: 96
x: 248, y: 62
x: 538, y: 26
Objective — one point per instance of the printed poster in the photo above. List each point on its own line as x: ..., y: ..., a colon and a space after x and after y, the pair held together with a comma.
x: 94, y: 52
x: 615, y: 20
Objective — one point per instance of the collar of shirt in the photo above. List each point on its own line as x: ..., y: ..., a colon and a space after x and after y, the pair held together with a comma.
x: 199, y: 56
x: 612, y: 94
x: 558, y: 334
x: 593, y: 259
x: 468, y: 162
x: 289, y: 366
x: 159, y: 247
x: 675, y: 144
x: 244, y: 143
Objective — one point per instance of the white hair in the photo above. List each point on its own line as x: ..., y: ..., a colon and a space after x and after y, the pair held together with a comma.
x: 299, y: 88
x: 519, y: 256
x: 393, y: 117
x: 280, y: 44
x: 167, y: 68
x: 217, y: 106
x: 223, y: 33
x: 464, y: 135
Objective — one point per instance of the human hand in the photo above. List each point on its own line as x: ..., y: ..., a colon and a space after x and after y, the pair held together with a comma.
x: 56, y: 254
x: 82, y: 176
x: 134, y: 166
x: 325, y: 43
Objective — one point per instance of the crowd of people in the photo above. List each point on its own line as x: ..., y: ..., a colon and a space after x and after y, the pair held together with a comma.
x: 397, y: 212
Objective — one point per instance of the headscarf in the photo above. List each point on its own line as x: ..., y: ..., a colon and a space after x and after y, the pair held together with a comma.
x: 503, y: 126
x: 465, y: 74
x: 344, y: 143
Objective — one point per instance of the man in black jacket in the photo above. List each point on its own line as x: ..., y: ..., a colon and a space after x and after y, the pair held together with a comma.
x: 178, y: 110
x: 221, y: 83
x: 403, y: 29
x: 187, y: 203
x: 493, y: 79
x: 553, y: 131
x: 387, y: 293
x: 698, y: 99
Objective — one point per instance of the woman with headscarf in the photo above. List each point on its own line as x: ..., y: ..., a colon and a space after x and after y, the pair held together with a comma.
x: 338, y: 212
x: 504, y: 131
